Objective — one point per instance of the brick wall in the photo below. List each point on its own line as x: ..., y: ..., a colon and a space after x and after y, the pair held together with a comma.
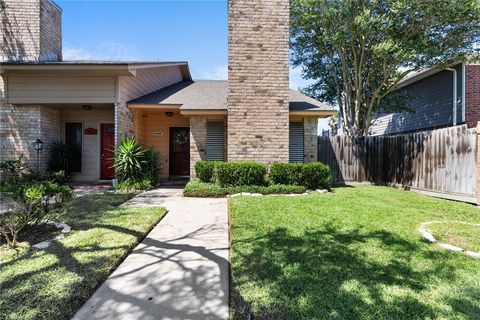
x: 310, y: 137
x: 21, y: 125
x: 198, y: 141
x: 124, y: 121
x: 258, y: 114
x: 31, y: 31
x: 472, y: 95
x: 50, y: 31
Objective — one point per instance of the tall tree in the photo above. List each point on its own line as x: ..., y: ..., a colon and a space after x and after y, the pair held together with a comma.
x: 2, y: 5
x: 359, y: 50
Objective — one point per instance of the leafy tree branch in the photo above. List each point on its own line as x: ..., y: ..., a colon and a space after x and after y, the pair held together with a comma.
x: 359, y: 50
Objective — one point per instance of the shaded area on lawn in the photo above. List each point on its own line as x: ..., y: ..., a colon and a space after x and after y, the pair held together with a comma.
x: 326, y: 257
x: 54, y: 283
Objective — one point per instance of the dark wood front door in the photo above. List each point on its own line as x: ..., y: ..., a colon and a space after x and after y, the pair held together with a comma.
x: 107, y: 145
x: 179, y: 152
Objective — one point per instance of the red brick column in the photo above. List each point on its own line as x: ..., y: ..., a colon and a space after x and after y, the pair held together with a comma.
x: 478, y: 163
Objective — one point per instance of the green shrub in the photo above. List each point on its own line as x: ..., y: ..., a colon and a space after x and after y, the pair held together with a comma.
x: 152, y: 166
x: 310, y: 175
x: 136, y: 165
x: 316, y: 175
x: 16, y: 167
x: 33, y: 199
x: 64, y: 157
x: 286, y: 173
x: 144, y: 184
x: 197, y: 188
x: 230, y: 174
x: 205, y: 170
x: 129, y: 160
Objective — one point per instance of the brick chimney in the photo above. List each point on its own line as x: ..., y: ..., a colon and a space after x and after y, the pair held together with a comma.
x: 31, y: 31
x: 258, y: 80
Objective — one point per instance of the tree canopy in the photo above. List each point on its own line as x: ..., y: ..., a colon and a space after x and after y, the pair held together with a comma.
x: 357, y: 51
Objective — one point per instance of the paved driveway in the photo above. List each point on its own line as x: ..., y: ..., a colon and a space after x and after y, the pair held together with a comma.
x: 179, y: 271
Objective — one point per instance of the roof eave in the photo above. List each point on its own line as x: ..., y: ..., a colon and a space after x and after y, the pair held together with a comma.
x: 62, y: 68
x: 312, y: 113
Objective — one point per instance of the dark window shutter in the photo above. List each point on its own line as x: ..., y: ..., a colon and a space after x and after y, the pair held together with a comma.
x: 215, y: 141
x: 73, y: 139
x: 295, y: 149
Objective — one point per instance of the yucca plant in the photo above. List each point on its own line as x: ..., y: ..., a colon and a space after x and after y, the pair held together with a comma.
x: 130, y: 160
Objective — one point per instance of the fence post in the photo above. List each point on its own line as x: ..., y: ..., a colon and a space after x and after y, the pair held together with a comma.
x: 477, y: 159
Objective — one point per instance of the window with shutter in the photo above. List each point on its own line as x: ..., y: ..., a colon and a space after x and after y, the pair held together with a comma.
x: 295, y: 149
x: 215, y: 141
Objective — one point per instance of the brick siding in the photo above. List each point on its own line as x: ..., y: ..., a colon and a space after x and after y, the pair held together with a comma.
x: 258, y: 113
x: 31, y: 31
x: 50, y: 32
x: 310, y: 139
x: 472, y: 95
x: 124, y: 121
x: 23, y: 124
x: 198, y: 141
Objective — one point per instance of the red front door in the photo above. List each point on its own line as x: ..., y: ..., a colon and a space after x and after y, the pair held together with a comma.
x: 107, y: 171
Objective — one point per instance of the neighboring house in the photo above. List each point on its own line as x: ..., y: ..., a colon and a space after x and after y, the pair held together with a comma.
x: 434, y: 101
x: 93, y: 104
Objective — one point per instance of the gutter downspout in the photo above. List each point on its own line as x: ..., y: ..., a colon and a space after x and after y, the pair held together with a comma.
x: 454, y: 106
x: 463, y: 92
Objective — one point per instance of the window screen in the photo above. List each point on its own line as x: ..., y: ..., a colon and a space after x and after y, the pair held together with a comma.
x: 73, y: 141
x: 215, y: 141
x: 295, y: 148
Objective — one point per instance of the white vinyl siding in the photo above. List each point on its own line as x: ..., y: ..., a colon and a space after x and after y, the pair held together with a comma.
x: 295, y: 148
x: 215, y: 141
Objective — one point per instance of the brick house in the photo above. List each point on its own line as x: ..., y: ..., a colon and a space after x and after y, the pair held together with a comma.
x: 439, y: 98
x: 92, y: 104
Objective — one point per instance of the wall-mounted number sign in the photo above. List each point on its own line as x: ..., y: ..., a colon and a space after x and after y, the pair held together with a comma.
x: 91, y: 131
x: 157, y: 133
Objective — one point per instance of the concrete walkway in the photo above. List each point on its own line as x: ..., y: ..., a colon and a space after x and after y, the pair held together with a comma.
x: 179, y: 271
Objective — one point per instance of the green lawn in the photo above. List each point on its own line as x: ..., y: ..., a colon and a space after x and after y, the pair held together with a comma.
x: 53, y: 284
x: 354, y: 253
x: 462, y: 235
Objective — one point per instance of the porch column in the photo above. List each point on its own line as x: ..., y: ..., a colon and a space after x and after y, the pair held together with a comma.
x: 198, y: 141
x: 124, y: 121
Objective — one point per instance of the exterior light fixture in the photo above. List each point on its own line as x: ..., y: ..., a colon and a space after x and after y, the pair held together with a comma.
x: 86, y: 107
x: 169, y: 113
x: 38, y: 145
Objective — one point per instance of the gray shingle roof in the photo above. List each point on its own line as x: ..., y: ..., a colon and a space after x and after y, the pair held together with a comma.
x: 212, y: 95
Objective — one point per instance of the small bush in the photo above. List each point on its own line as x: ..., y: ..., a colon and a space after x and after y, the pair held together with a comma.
x: 231, y: 174
x: 135, y: 185
x: 16, y: 167
x: 129, y: 160
x: 197, y: 188
x: 316, y: 175
x: 33, y: 199
x: 64, y: 157
x: 136, y: 166
x: 205, y: 170
x: 310, y: 175
x: 152, y: 166
x: 286, y: 173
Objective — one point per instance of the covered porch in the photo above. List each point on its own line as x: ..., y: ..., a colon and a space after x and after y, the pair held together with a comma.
x: 180, y: 137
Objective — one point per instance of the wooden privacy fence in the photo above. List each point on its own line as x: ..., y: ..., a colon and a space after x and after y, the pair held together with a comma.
x: 440, y: 161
